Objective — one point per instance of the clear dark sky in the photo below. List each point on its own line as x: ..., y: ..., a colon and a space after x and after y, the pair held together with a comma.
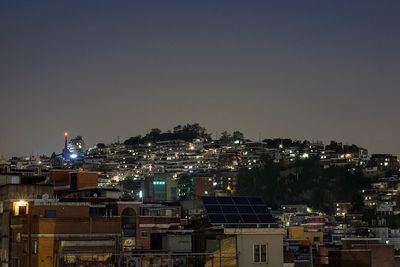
x: 318, y: 70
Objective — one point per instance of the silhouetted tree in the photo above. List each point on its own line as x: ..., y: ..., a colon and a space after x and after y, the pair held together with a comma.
x: 237, y: 135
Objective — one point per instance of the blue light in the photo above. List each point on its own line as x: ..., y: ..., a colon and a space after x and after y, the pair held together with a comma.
x: 73, y: 156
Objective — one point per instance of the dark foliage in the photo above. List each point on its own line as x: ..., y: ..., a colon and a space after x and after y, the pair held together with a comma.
x: 307, y: 182
x: 187, y: 132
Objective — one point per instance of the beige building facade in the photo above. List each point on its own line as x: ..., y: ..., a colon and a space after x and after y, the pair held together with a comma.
x: 258, y: 246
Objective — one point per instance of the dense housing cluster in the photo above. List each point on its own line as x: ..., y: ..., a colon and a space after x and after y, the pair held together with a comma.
x: 181, y: 198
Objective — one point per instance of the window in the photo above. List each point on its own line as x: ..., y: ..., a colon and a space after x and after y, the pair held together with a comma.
x: 259, y: 253
x: 49, y: 213
x: 144, y: 234
x: 35, y: 247
x: 18, y: 237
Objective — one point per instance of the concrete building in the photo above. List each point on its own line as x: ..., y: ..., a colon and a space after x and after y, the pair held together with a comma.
x: 160, y: 187
x: 64, y: 180
x: 13, y: 191
x: 44, y: 233
x: 368, y: 255
x: 258, y: 246
x: 314, y: 236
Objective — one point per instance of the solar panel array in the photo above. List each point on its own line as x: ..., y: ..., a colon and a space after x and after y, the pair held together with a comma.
x: 237, y: 210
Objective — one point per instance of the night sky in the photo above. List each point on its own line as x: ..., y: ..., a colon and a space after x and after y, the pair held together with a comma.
x: 316, y: 70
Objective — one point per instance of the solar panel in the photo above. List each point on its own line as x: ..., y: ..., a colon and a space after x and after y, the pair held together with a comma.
x: 237, y: 210
x: 240, y: 200
x: 255, y: 201
x: 217, y: 219
x: 244, y: 209
x: 250, y: 218
x: 225, y: 200
x: 233, y: 219
x: 213, y: 209
x: 260, y: 209
x: 267, y: 219
x: 210, y: 200
x: 229, y: 209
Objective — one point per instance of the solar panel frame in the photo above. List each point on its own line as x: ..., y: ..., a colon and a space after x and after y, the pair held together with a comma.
x: 250, y: 218
x: 227, y: 210
x: 225, y: 200
x: 240, y: 201
x: 217, y: 218
x: 245, y: 209
x: 233, y: 218
x: 266, y: 218
x: 211, y: 209
x: 260, y: 209
x: 210, y: 200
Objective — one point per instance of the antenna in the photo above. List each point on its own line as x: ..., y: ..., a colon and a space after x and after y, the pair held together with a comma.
x: 66, y: 139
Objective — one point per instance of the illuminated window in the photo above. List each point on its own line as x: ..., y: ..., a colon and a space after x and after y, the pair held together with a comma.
x: 259, y: 253
x: 20, y: 207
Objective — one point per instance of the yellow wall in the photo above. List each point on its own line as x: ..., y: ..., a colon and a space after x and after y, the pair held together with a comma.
x: 46, y: 252
x: 226, y: 256
x: 46, y: 244
x: 297, y: 232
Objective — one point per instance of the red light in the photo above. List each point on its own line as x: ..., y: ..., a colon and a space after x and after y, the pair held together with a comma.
x: 66, y: 134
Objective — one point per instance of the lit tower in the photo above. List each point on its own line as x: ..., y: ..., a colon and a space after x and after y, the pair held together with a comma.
x: 65, y: 152
x: 66, y: 139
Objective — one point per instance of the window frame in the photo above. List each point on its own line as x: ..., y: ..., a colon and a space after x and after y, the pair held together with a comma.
x: 144, y: 234
x: 49, y: 213
x: 35, y: 247
x: 258, y: 257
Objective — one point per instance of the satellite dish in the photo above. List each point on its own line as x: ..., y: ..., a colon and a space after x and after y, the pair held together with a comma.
x: 45, y: 196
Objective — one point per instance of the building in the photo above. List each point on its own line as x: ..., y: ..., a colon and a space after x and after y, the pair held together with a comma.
x: 258, y: 246
x: 314, y: 236
x: 64, y: 180
x: 385, y: 162
x: 160, y: 187
x: 76, y: 147
x: 248, y: 234
x: 44, y: 233
x: 14, y: 189
x: 343, y: 208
